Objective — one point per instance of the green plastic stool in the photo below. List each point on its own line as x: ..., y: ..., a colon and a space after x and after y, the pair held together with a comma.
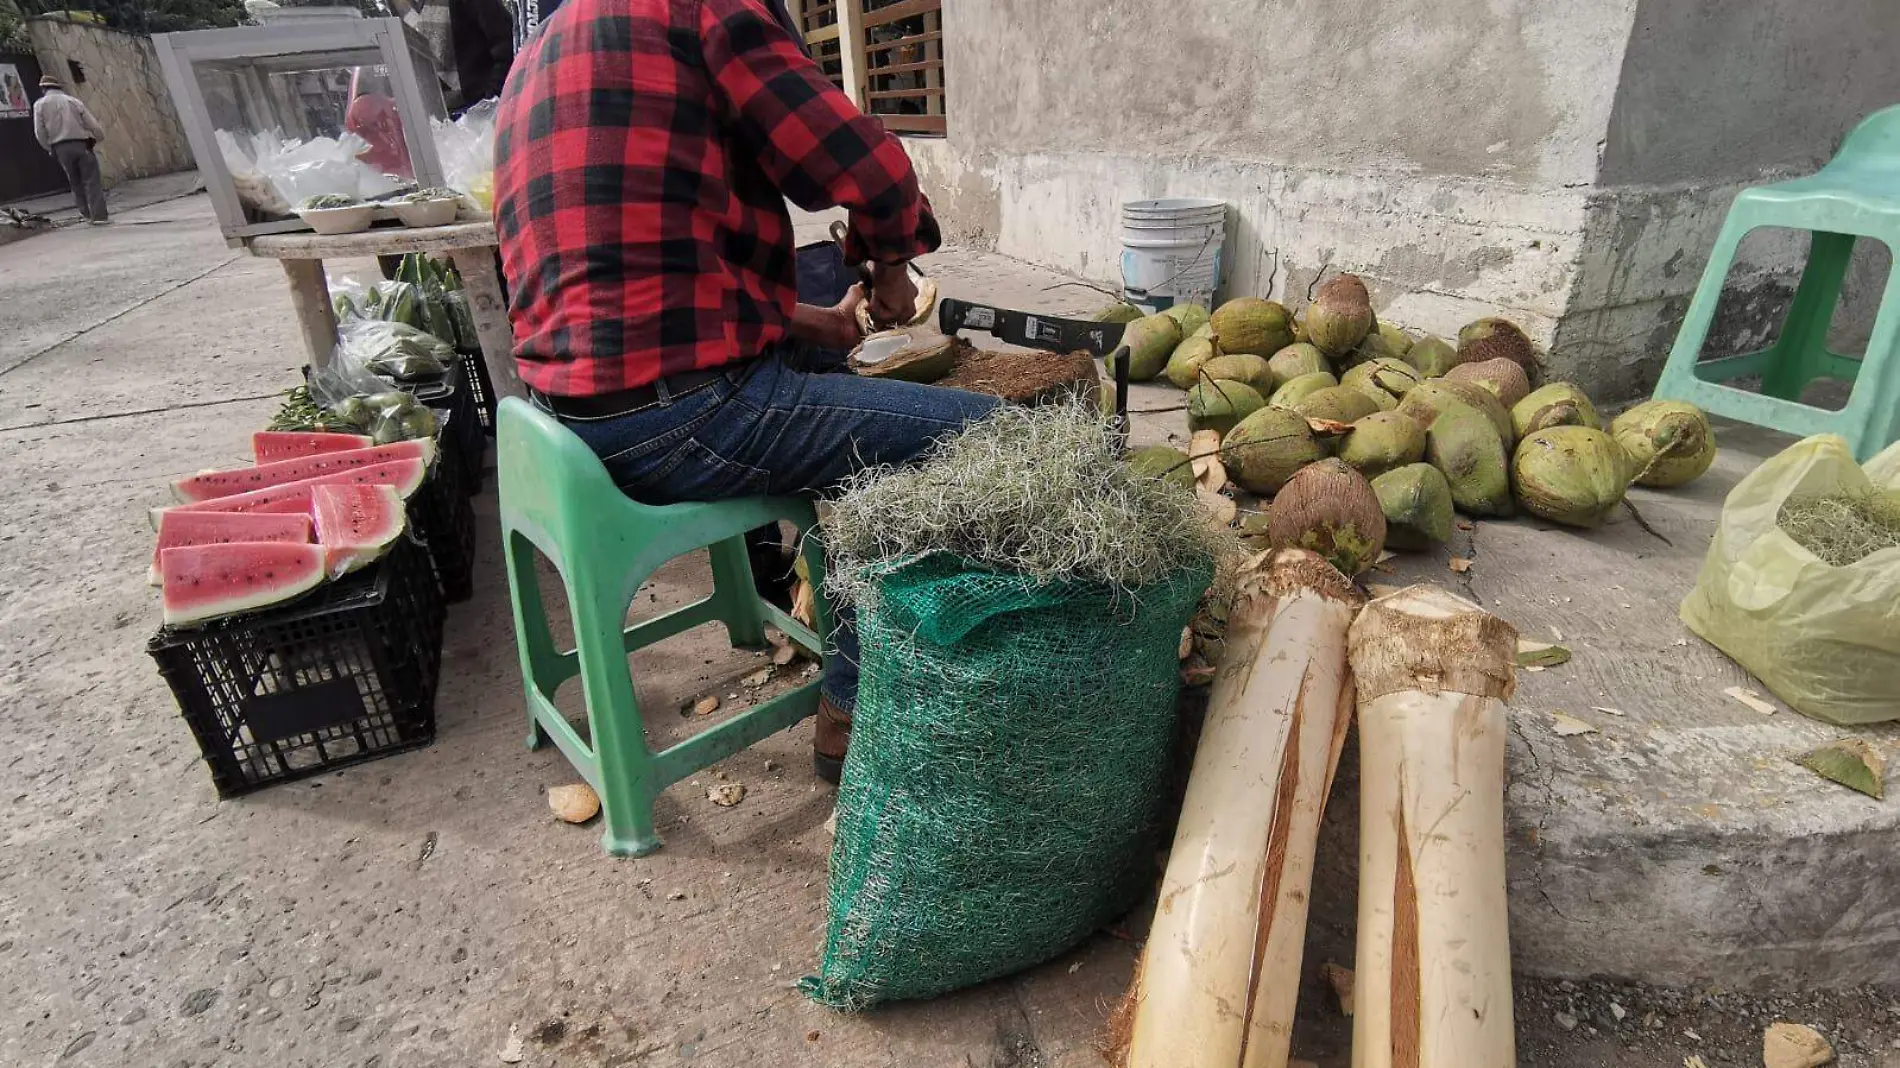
x: 556, y: 497
x: 1857, y: 195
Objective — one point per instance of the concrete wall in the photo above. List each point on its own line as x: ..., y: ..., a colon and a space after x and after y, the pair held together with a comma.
x: 124, y: 90
x: 1564, y: 164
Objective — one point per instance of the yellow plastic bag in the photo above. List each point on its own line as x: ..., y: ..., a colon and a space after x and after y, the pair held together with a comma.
x: 1824, y: 639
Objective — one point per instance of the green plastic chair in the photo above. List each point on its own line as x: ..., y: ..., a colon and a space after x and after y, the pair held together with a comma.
x: 1857, y: 195
x: 556, y: 497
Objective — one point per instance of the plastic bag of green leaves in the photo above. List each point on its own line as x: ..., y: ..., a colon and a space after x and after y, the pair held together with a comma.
x: 1802, y: 583
x: 1020, y: 599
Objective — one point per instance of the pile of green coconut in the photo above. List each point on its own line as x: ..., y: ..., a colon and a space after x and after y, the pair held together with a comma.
x: 1368, y: 437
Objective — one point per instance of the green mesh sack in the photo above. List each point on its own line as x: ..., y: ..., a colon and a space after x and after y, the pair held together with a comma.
x: 1000, y: 794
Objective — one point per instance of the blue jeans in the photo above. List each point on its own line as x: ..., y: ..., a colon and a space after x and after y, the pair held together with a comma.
x: 766, y: 429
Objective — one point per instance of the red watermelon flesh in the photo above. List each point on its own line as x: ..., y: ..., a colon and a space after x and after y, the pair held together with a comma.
x: 204, y: 582
x: 268, y: 446
x: 404, y: 475
x: 355, y: 524
x: 210, y: 485
x: 179, y: 529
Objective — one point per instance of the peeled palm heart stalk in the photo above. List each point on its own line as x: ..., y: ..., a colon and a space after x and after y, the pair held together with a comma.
x: 1432, y: 356
x: 1249, y: 324
x: 1417, y: 503
x: 1570, y: 474
x: 1330, y: 509
x: 1299, y: 358
x: 1218, y: 405
x: 1241, y: 367
x: 1557, y: 404
x: 1340, y: 316
x: 1382, y: 441
x: 1151, y: 339
x: 1670, y: 442
x: 1505, y: 379
x: 1266, y: 448
x: 1465, y: 448
x: 1184, y: 366
x: 1493, y: 338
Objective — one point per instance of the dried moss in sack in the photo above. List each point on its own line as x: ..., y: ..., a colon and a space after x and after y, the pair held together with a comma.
x: 1843, y: 530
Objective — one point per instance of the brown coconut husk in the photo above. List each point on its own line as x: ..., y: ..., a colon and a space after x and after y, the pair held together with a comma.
x: 1024, y: 376
x: 1492, y: 338
x: 1504, y: 378
x: 1330, y: 509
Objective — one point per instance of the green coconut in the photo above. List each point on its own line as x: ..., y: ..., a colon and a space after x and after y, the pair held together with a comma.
x: 1557, y: 404
x: 1299, y: 328
x: 1249, y: 324
x: 1240, y: 367
x: 1184, y: 364
x: 1397, y: 340
x: 1669, y: 442
x: 1151, y: 339
x: 1336, y: 403
x: 1570, y: 474
x: 1340, y: 316
x: 1218, y: 405
x: 1330, y: 509
x: 1266, y: 448
x: 1382, y: 441
x: 1432, y: 356
x: 1391, y: 376
x: 1492, y: 338
x: 1465, y: 448
x: 1191, y: 317
x: 1299, y: 358
x: 1292, y: 392
x: 1432, y: 396
x: 1117, y: 313
x: 1416, y: 501
x: 1160, y: 461
x: 1373, y: 348
x: 1506, y: 380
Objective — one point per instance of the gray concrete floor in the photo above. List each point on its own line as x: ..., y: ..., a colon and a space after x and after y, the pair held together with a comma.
x: 414, y: 910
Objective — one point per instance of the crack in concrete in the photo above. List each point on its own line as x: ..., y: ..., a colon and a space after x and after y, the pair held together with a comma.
x: 141, y: 411
x: 115, y: 316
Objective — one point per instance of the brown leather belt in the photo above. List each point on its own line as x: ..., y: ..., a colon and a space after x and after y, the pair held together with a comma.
x: 622, y: 401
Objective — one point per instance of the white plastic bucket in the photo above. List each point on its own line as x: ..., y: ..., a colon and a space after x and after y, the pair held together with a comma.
x: 1171, y: 251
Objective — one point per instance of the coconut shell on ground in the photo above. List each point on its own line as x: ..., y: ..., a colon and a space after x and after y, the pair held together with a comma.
x: 1556, y: 404
x: 1505, y: 379
x: 1382, y: 441
x: 1025, y: 376
x: 1570, y: 474
x: 1417, y: 504
x: 1330, y: 509
x: 1492, y: 338
x: 1249, y: 324
x: 1432, y: 356
x: 1266, y: 448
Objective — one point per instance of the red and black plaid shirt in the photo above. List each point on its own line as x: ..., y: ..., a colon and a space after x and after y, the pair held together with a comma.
x: 644, y: 152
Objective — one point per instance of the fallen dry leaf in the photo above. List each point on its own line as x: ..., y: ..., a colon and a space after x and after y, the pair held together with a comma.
x: 1540, y: 654
x: 577, y: 803
x: 1606, y: 711
x: 1221, y: 509
x: 1751, y: 699
x: 1569, y: 726
x: 1791, y: 1045
x: 1329, y: 427
x: 805, y: 603
x: 757, y: 678
x: 1459, y: 564
x: 511, y: 1051
x: 1209, y: 473
x: 706, y: 705
x: 1342, y: 981
x: 726, y: 794
x: 1693, y: 1061
x: 1852, y: 763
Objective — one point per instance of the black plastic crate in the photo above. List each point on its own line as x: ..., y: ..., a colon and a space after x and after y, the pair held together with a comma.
x: 442, y: 516
x: 343, y: 676
x: 475, y: 373
x: 458, y: 399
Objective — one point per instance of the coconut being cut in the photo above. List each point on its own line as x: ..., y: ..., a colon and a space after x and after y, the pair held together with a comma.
x: 917, y: 354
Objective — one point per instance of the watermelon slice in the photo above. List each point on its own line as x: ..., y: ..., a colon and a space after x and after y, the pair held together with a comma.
x: 204, y: 582
x: 210, y: 485
x: 355, y: 524
x: 179, y: 529
x: 404, y: 475
x: 268, y: 446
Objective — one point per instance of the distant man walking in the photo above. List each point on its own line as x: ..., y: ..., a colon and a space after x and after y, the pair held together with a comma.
x: 66, y: 129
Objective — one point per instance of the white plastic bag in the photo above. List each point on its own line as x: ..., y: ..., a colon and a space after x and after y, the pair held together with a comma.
x: 1825, y: 639
x: 466, y: 149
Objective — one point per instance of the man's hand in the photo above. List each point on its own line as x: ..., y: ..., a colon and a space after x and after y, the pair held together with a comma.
x: 893, y: 294
x: 830, y: 328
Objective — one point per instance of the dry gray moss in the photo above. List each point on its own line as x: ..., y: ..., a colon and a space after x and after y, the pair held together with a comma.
x: 1842, y: 530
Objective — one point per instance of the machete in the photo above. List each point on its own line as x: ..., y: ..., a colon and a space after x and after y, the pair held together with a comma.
x: 1034, y: 330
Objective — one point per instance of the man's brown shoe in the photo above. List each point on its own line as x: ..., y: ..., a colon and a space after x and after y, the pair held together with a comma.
x: 831, y: 741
